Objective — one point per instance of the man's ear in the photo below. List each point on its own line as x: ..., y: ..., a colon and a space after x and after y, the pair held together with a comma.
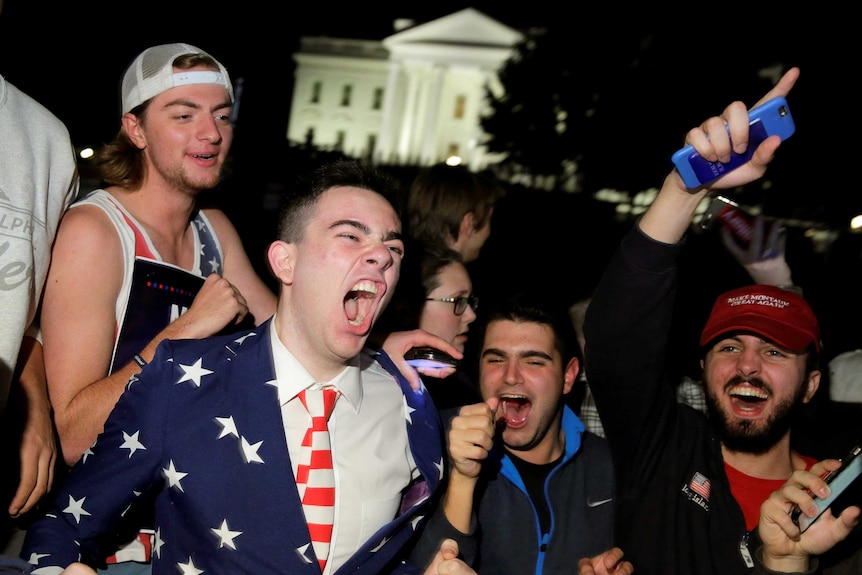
x: 282, y: 257
x: 467, y: 226
x: 813, y: 384
x: 570, y: 375
x: 134, y: 129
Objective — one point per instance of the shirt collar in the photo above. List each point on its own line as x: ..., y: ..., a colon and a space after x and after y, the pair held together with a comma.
x: 292, y: 377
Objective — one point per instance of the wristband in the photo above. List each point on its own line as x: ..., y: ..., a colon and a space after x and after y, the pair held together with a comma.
x: 139, y: 360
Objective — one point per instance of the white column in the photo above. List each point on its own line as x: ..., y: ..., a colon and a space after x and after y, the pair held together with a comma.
x: 390, y: 113
x: 429, y: 130
x: 408, y: 120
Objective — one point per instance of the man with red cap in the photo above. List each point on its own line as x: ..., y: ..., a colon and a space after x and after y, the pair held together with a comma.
x: 690, y: 485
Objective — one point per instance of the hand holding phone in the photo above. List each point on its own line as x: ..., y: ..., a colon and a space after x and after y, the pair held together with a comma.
x: 770, y: 118
x: 838, y: 480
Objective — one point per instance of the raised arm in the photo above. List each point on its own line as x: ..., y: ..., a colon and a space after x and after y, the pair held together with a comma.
x: 670, y: 214
x: 471, y: 438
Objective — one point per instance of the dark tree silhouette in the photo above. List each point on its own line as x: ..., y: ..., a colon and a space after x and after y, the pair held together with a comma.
x: 617, y: 101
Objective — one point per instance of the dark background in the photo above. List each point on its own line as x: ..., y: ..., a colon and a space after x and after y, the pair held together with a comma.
x: 71, y: 56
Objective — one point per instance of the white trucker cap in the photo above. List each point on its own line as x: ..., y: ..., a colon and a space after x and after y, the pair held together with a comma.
x: 152, y: 73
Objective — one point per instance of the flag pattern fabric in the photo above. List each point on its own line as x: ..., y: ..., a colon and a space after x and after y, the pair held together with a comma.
x: 700, y: 484
x: 202, y: 427
x: 315, y: 476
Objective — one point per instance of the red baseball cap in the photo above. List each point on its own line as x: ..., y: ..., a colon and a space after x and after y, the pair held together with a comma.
x: 778, y: 315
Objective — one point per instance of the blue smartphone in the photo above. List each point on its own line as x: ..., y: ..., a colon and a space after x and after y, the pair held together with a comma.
x: 769, y: 119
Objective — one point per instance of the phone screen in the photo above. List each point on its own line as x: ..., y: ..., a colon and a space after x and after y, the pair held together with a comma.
x: 708, y: 171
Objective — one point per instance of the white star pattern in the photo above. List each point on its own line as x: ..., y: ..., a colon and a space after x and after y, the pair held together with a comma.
x: 129, y: 506
x: 303, y: 552
x: 87, y: 453
x: 408, y: 410
x: 214, y: 265
x: 34, y: 558
x: 76, y: 508
x: 228, y: 427
x: 416, y: 520
x: 225, y: 535
x: 249, y: 451
x: 157, y: 546
x: 131, y: 443
x: 173, y: 476
x: 439, y: 467
x: 189, y: 568
x: 194, y: 372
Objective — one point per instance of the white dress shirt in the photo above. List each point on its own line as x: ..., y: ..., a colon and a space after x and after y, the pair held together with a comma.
x: 370, y: 450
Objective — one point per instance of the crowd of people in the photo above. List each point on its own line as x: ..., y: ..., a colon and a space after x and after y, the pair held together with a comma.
x: 167, y: 403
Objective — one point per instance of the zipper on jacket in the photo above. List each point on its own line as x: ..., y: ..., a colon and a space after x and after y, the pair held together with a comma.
x: 743, y: 550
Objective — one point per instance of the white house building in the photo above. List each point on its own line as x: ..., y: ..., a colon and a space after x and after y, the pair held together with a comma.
x: 413, y: 98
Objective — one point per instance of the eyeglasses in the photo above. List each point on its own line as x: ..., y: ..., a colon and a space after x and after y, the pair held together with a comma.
x: 460, y: 302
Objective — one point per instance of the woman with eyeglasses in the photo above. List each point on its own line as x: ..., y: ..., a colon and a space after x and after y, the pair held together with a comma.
x: 435, y: 294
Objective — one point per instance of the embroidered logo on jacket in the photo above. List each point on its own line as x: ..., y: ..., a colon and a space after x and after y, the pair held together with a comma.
x: 697, y: 490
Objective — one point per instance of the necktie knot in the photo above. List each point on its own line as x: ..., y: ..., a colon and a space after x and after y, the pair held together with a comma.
x: 319, y: 402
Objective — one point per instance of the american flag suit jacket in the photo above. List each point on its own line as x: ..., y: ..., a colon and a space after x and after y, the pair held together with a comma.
x: 203, y: 426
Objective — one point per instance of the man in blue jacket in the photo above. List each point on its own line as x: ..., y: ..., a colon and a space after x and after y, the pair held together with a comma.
x: 530, y: 491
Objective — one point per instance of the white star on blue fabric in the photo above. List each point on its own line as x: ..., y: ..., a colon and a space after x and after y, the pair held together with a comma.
x: 225, y: 535
x: 439, y: 467
x: 228, y: 427
x: 407, y: 410
x: 87, y: 453
x: 189, y: 568
x: 302, y: 551
x: 157, y: 545
x: 214, y: 265
x: 76, y: 508
x: 249, y: 451
x: 34, y: 558
x: 194, y: 372
x: 173, y: 476
x: 129, y: 506
x: 131, y: 443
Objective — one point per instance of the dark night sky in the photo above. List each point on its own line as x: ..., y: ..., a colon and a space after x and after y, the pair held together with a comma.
x: 94, y: 41
x: 70, y: 56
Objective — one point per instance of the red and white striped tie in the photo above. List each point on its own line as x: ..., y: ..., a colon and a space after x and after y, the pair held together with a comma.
x: 315, y: 477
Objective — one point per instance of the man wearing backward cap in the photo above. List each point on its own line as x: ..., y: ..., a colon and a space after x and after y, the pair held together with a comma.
x: 101, y: 321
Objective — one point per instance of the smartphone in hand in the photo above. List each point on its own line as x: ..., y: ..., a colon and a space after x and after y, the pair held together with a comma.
x: 430, y: 357
x: 768, y: 119
x: 838, y: 480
